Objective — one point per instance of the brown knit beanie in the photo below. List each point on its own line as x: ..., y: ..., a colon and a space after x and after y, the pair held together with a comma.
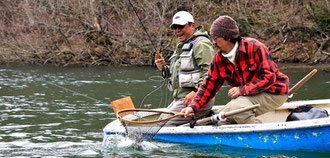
x: 225, y: 27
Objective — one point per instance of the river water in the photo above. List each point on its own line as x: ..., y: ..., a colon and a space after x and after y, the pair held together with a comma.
x: 49, y: 111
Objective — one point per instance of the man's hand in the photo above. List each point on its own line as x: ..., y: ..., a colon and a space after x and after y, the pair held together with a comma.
x: 159, y: 61
x: 234, y: 92
x: 187, y: 100
x: 188, y: 112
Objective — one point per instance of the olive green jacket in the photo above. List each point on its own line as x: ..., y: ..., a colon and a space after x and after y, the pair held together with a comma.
x: 203, y: 54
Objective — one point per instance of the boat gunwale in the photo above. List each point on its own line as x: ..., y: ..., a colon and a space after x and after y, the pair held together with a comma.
x: 252, y: 129
x: 239, y: 128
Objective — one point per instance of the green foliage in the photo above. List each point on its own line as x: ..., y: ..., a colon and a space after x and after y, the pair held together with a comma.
x: 244, y: 28
x: 322, y: 16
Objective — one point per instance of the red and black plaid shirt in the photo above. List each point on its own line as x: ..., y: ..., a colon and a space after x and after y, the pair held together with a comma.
x: 254, y: 72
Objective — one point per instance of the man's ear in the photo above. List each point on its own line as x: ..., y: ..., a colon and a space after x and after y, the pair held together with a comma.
x: 193, y: 24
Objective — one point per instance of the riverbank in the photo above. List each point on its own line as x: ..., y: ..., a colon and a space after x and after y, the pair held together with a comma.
x: 71, y: 60
x: 108, y: 33
x: 323, y: 66
x: 281, y: 65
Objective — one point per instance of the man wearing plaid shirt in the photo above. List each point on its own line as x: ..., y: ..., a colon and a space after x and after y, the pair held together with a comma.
x: 246, y: 65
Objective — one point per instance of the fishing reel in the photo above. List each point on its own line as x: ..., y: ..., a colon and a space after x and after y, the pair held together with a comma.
x: 166, y: 72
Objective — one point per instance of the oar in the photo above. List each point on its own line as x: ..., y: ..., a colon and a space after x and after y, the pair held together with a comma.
x: 223, y: 115
x: 302, y: 81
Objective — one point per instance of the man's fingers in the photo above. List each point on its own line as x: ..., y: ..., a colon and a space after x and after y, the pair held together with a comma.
x: 186, y: 101
x: 233, y: 92
x: 159, y: 61
x: 186, y: 114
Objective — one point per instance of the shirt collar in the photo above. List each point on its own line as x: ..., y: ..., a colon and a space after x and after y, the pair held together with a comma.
x: 232, y: 54
x: 241, y: 46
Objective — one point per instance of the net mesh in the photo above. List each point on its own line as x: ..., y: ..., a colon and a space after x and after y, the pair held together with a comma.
x: 143, y: 125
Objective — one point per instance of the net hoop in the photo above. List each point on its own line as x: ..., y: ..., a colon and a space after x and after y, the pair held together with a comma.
x: 147, y: 110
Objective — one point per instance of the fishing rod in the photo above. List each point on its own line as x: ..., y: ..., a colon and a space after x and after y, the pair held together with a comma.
x: 144, y: 28
x: 157, y: 54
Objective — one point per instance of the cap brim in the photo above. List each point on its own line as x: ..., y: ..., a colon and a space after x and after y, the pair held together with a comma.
x: 178, y: 23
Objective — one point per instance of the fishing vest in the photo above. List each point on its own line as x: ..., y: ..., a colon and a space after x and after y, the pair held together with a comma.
x: 188, y: 73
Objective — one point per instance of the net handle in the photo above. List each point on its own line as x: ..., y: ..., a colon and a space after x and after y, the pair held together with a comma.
x: 148, y: 110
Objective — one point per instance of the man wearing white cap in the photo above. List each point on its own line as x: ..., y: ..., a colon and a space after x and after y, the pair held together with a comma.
x: 188, y: 65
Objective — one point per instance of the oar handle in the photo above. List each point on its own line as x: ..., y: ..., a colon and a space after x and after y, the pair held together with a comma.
x: 234, y: 112
x: 302, y: 81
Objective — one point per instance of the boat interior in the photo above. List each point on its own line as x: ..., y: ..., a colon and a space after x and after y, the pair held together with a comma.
x: 281, y: 113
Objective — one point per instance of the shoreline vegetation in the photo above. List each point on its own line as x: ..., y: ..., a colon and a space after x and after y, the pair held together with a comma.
x: 108, y: 33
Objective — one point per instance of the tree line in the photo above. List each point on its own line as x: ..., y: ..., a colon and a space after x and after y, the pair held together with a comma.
x: 108, y: 32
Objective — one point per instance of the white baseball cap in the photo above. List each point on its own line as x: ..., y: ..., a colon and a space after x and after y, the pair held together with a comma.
x: 182, y: 18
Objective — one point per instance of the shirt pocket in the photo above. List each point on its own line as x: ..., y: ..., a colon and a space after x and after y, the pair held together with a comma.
x: 250, y: 67
x: 250, y: 72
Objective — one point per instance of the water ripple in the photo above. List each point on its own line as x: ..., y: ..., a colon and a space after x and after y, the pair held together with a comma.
x: 130, y: 81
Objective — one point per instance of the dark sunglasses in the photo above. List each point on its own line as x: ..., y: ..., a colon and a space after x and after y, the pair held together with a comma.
x: 174, y: 27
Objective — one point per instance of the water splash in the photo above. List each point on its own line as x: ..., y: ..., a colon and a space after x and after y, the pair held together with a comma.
x: 121, y: 143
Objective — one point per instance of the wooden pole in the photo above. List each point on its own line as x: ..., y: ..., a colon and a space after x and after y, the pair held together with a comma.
x: 230, y: 113
x: 302, y: 81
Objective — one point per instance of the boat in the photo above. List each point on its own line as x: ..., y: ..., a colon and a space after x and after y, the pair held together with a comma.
x: 275, y: 133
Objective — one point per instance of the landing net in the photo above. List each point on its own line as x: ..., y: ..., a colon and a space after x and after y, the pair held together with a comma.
x: 143, y: 124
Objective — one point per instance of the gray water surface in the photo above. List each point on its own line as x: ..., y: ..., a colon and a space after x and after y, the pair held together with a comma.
x: 49, y: 111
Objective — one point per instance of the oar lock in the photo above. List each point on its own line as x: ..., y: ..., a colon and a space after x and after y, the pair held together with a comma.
x: 219, y: 117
